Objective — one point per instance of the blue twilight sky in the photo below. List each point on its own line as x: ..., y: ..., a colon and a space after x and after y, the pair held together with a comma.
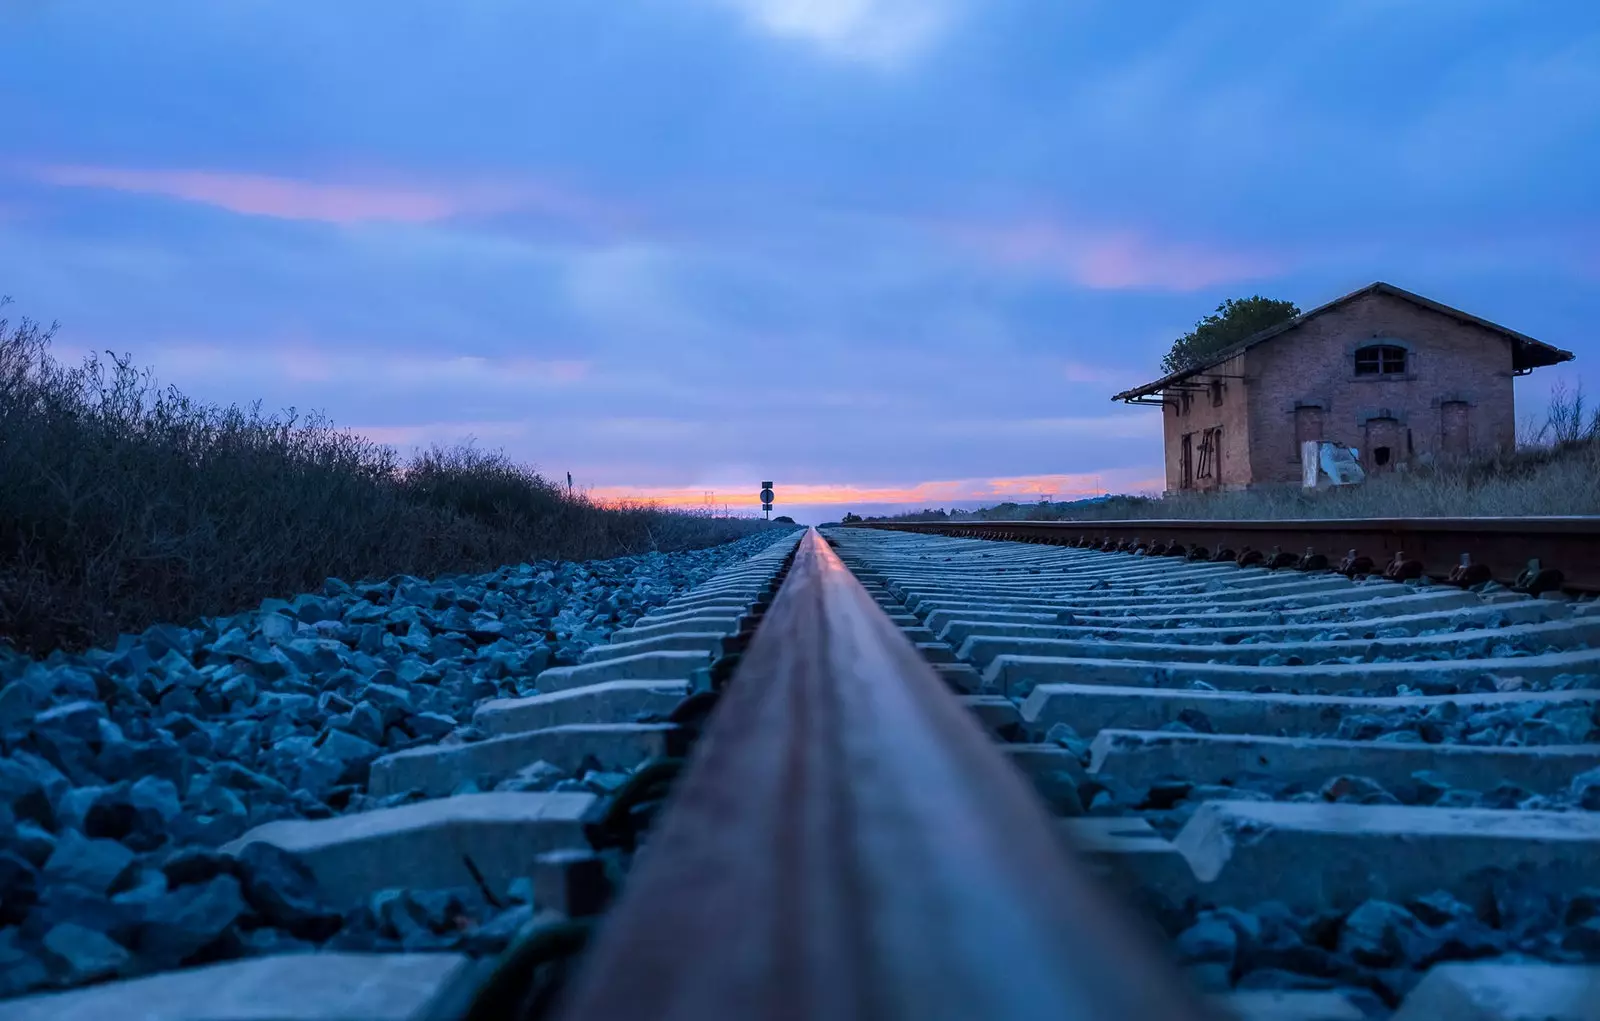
x: 878, y: 251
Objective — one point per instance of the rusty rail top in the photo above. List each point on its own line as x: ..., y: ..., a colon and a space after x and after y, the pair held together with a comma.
x: 847, y: 844
x: 1501, y: 546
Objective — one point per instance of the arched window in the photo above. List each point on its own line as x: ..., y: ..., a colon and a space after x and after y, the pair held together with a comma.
x: 1381, y: 360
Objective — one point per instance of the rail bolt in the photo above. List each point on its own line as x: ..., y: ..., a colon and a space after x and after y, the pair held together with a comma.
x: 1401, y: 569
x: 1280, y: 559
x: 1466, y: 574
x: 1354, y: 564
x: 1536, y: 579
x: 1311, y: 560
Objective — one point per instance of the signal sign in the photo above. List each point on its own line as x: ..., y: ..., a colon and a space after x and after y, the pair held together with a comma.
x: 766, y: 496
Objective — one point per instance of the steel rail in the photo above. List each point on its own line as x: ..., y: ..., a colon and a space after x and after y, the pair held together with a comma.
x: 1500, y: 547
x: 846, y: 844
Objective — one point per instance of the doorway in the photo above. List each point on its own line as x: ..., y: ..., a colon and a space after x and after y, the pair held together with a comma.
x: 1384, y: 447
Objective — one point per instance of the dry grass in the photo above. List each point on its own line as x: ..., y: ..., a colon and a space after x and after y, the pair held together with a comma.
x: 1557, y: 472
x: 123, y: 504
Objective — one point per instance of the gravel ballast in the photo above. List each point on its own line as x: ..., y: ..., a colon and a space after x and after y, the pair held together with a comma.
x: 125, y: 769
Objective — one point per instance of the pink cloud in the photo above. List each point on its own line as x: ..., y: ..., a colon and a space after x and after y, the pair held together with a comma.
x: 1116, y: 259
x: 290, y: 199
x: 257, y: 195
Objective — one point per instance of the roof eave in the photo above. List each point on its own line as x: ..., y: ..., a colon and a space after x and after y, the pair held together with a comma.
x: 1173, y: 379
x: 1536, y: 355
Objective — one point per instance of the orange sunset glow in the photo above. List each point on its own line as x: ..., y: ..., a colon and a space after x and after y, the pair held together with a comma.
x: 922, y: 494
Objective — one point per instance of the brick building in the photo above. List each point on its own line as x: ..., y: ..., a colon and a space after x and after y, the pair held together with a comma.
x: 1399, y: 377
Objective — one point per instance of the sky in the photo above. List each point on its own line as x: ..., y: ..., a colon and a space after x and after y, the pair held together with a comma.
x: 884, y: 253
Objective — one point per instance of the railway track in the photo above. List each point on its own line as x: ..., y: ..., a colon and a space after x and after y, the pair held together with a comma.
x: 1338, y: 798
x: 1535, y: 554
x: 1331, y: 746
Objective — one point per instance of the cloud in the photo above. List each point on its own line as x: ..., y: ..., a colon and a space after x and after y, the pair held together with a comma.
x: 634, y: 287
x: 257, y: 195
x: 423, y: 434
x: 1495, y: 119
x: 286, y: 198
x: 1099, y: 375
x: 1121, y: 425
x: 655, y: 428
x: 884, y: 33
x: 308, y: 363
x: 1110, y: 259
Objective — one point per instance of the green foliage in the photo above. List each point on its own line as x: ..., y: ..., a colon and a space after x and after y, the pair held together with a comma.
x: 123, y: 504
x: 1233, y: 321
x: 783, y: 519
x: 849, y: 518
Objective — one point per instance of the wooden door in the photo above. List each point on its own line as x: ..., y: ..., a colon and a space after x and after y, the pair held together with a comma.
x: 1455, y: 440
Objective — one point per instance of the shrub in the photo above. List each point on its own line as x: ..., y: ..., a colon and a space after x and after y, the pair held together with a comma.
x: 123, y: 504
x: 1565, y: 423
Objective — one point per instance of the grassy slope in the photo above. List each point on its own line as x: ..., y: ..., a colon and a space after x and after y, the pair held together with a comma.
x: 122, y: 505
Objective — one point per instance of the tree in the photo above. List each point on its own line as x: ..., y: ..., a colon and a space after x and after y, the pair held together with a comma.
x: 1233, y: 321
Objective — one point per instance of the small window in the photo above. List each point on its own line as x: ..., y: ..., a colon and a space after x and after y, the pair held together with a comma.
x: 1381, y: 360
x: 1380, y: 456
x: 1216, y: 393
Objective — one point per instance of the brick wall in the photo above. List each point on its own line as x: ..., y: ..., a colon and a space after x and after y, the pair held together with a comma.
x: 1232, y: 469
x: 1455, y: 395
